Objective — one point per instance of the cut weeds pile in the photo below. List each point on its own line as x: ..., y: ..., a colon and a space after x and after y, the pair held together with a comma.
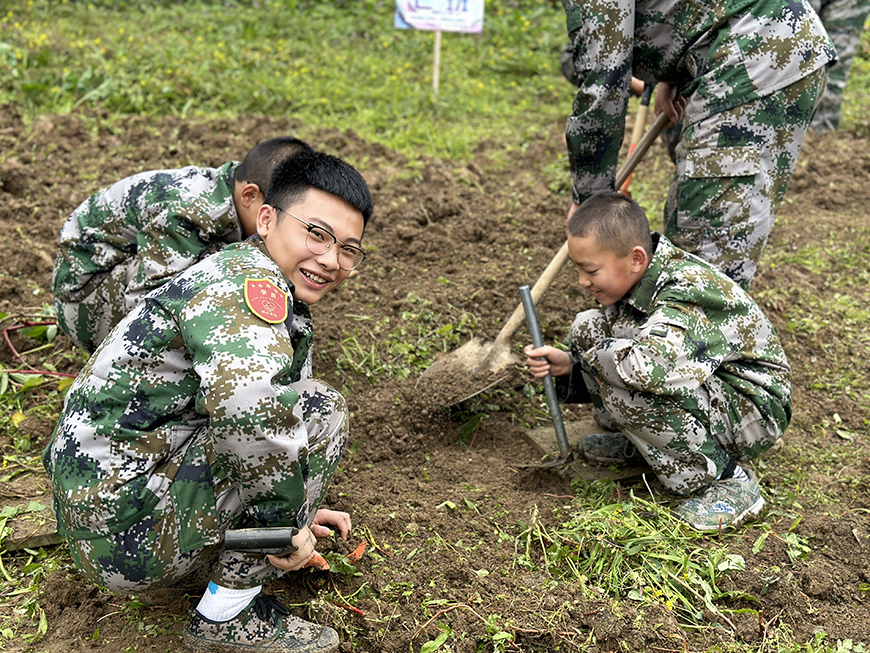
x: 465, y: 552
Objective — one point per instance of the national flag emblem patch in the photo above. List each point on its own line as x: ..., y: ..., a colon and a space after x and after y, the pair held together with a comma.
x: 266, y: 300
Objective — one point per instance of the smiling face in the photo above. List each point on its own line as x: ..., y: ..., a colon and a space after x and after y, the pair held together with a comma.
x: 313, y: 275
x: 606, y: 275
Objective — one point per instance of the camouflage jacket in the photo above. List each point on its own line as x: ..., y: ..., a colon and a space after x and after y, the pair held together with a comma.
x: 158, y: 223
x: 193, y: 354
x: 720, y: 54
x: 684, y: 322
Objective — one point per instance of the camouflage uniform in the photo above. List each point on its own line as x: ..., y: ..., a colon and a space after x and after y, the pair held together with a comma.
x: 134, y: 236
x: 752, y: 72
x: 844, y: 20
x: 687, y: 367
x: 194, y: 416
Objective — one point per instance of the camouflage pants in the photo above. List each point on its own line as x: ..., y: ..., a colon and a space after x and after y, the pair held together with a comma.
x: 844, y: 20
x: 87, y: 315
x: 687, y: 441
x: 732, y: 173
x: 168, y: 546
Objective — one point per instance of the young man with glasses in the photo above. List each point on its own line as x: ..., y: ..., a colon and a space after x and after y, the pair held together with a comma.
x: 198, y: 415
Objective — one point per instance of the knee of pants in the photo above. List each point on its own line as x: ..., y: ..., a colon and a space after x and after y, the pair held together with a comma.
x: 318, y: 398
x: 323, y: 410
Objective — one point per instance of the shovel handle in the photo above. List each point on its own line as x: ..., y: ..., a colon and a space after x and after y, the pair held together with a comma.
x: 549, y: 387
x: 637, y: 132
x: 516, y: 319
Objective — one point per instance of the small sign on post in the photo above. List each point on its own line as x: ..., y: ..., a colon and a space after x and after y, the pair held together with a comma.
x: 440, y: 16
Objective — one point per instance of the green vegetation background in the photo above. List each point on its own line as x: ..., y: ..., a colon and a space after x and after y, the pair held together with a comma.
x: 331, y: 64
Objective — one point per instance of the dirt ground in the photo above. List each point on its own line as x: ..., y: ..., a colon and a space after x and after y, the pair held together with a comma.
x: 450, y: 239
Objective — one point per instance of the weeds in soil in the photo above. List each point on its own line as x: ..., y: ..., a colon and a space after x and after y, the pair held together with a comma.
x: 20, y: 578
x: 633, y: 550
x: 838, y: 318
x: 401, y: 346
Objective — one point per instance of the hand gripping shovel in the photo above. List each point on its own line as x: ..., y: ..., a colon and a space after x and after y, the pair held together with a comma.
x: 477, y: 366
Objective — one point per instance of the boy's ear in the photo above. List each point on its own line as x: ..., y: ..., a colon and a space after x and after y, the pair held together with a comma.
x: 639, y: 259
x: 266, y: 219
x: 250, y: 195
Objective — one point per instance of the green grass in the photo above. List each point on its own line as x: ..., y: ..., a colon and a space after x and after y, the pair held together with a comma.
x: 325, y: 63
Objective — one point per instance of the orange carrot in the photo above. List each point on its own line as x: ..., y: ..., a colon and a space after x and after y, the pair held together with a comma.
x: 357, y: 552
x: 318, y: 562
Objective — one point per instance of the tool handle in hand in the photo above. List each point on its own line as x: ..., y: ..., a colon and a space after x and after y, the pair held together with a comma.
x: 549, y: 387
x: 274, y: 541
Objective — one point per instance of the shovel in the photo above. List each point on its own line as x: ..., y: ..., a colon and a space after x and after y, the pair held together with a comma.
x: 637, y: 131
x: 565, y: 454
x: 477, y: 366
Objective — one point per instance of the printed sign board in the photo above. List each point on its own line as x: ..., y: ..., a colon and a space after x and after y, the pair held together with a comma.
x: 440, y: 15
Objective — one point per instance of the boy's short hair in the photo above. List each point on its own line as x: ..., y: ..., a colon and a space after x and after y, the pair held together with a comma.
x: 295, y: 176
x: 615, y: 221
x: 260, y: 162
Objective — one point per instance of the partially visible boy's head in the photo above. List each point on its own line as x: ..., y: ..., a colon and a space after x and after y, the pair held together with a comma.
x: 312, y: 222
x: 259, y: 164
x: 615, y: 221
x: 610, y: 243
x: 251, y: 178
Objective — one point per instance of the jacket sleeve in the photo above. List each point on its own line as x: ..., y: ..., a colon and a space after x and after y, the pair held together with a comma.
x: 173, y: 239
x: 602, y: 34
x: 244, y: 366
x: 672, y: 353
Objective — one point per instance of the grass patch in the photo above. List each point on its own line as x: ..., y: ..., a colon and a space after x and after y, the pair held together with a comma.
x: 325, y: 63
x: 633, y: 550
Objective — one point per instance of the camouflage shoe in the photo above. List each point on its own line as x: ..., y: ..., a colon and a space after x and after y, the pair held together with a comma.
x: 265, y: 625
x: 724, y: 504
x: 608, y: 448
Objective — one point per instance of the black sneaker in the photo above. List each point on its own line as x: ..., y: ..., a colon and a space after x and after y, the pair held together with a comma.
x: 265, y: 625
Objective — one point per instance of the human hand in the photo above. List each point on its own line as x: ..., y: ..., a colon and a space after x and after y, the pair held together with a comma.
x: 304, y: 541
x: 341, y: 520
x: 547, y: 360
x: 669, y: 101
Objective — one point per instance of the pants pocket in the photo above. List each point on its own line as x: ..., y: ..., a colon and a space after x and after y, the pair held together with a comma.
x: 193, y: 496
x: 712, y: 194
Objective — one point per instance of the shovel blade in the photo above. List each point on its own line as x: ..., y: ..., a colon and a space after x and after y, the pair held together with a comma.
x: 465, y: 372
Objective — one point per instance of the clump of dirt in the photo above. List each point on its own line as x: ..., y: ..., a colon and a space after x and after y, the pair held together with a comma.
x: 441, y: 506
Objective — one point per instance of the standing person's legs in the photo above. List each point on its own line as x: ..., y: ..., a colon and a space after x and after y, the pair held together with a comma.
x: 732, y: 173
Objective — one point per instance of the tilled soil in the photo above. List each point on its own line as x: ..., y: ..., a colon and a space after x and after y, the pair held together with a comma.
x: 433, y: 496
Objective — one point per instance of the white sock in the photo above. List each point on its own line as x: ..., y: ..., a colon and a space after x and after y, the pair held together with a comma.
x: 222, y: 603
x: 739, y: 474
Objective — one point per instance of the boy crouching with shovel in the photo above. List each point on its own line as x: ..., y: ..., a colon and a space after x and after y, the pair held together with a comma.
x: 679, y: 363
x: 198, y: 415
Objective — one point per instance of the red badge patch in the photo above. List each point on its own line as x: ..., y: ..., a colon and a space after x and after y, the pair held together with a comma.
x: 266, y: 300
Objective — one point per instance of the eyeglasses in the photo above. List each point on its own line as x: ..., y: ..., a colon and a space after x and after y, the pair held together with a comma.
x: 319, y: 241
